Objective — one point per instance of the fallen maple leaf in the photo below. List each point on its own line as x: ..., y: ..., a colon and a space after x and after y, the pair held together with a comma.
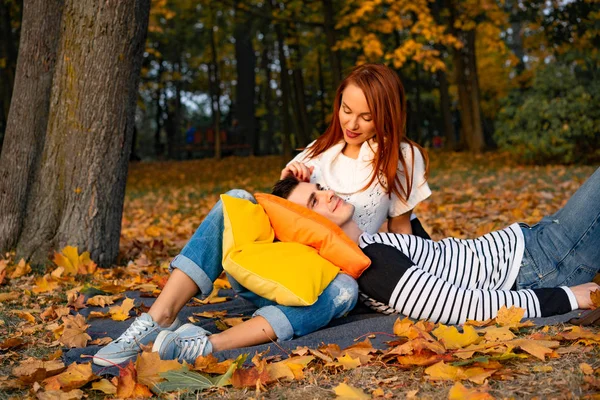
x: 103, y: 301
x: 44, y: 284
x: 121, y: 313
x: 105, y: 386
x: 210, y: 365
x: 9, y: 296
x: 24, y: 315
x: 459, y: 392
x: 586, y: 368
x: 74, y: 394
x: 12, y: 343
x: 34, y: 370
x: 452, y: 339
x: 537, y: 348
x: 510, y: 317
x: 346, y: 361
x: 74, y: 332
x: 21, y: 269
x: 350, y: 392
x: 495, y: 334
x: 74, y: 377
x: 73, y: 263
x: 128, y: 387
x: 149, y: 365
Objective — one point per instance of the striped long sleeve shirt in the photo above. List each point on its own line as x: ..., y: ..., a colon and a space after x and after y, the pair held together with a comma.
x: 453, y: 280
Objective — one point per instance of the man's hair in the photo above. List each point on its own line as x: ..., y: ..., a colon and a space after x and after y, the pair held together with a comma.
x: 284, y: 187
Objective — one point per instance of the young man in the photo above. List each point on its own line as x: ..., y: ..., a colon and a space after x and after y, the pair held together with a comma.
x: 546, y: 269
x: 193, y: 272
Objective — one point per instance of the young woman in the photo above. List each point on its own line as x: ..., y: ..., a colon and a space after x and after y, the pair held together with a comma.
x: 365, y: 156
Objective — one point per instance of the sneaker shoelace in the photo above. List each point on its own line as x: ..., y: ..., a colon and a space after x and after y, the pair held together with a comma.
x: 191, y: 348
x: 135, y: 329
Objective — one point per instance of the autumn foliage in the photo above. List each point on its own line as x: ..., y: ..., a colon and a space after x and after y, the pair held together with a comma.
x: 40, y: 309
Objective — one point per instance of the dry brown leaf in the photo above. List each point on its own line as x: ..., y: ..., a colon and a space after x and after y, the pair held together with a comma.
x: 103, y: 301
x: 497, y: 334
x: 34, y: 370
x: 595, y: 297
x: 12, y: 343
x: 211, y: 314
x: 9, y: 296
x: 24, y: 315
x: 537, y: 348
x: 74, y: 332
x: 74, y: 394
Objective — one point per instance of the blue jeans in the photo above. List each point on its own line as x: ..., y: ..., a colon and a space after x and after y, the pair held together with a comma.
x: 564, y: 249
x: 201, y: 260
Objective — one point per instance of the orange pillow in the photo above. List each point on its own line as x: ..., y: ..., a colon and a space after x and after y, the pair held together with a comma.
x: 295, y: 223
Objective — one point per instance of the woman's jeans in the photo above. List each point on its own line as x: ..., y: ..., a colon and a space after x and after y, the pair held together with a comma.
x: 201, y: 260
x: 564, y: 248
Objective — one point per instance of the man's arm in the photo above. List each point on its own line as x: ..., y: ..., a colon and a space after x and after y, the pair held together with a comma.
x: 393, y: 279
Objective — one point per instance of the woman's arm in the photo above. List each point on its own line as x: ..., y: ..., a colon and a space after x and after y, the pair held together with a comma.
x: 400, y: 223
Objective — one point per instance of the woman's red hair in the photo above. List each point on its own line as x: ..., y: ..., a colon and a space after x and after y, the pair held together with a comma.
x: 386, y: 100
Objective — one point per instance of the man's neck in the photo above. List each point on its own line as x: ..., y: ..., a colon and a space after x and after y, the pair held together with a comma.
x: 352, y: 230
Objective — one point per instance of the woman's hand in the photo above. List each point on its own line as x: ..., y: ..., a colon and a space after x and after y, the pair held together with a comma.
x: 298, y: 170
x: 582, y: 294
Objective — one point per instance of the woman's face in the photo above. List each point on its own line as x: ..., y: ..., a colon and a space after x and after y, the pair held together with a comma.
x: 355, y: 117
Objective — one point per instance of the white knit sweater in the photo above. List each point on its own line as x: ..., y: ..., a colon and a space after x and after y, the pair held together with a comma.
x: 347, y: 176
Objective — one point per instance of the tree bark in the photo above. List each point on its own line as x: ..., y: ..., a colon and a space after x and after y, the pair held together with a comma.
x: 476, y: 140
x: 77, y: 198
x: 285, y: 95
x: 28, y: 117
x: 246, y: 81
x: 330, y: 37
x: 303, y: 123
x: 215, y: 90
x: 447, y: 125
x: 268, y: 144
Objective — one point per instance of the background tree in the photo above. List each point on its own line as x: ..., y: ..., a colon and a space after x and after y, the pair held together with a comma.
x: 77, y: 195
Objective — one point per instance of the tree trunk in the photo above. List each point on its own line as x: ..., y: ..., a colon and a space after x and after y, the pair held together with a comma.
x: 304, y: 125
x: 246, y: 81
x: 28, y: 117
x: 215, y: 94
x: 285, y: 96
x: 77, y: 198
x: 447, y: 125
x: 158, y: 149
x: 323, y: 108
x: 330, y: 37
x: 476, y: 140
x: 268, y: 144
x: 173, y: 125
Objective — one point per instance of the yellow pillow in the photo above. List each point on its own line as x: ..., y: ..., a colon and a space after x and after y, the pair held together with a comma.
x: 291, y: 274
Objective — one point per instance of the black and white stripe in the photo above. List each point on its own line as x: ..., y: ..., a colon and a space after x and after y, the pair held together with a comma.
x: 453, y: 280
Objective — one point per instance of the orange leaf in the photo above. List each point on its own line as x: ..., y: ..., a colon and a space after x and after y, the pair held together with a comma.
x: 149, y: 365
x: 34, y: 370
x: 128, y: 387
x: 595, y: 297
x: 210, y: 365
x: 105, y: 386
x: 459, y: 392
x: 586, y: 368
x: 537, y: 348
x: 350, y: 392
x: 44, y: 284
x: 22, y: 269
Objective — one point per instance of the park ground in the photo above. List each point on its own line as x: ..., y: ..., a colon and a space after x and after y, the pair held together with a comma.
x: 165, y: 202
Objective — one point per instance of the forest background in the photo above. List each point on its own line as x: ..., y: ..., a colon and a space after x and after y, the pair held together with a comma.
x: 519, y: 75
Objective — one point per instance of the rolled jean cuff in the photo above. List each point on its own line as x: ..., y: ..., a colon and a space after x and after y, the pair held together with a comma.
x: 279, y: 322
x: 195, y: 273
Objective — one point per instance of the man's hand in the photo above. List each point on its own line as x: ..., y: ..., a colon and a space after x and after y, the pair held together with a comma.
x: 582, y: 294
x: 298, y: 170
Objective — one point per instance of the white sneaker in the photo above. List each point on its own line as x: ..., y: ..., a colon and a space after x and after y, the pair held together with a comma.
x: 142, y: 331
x: 185, y: 344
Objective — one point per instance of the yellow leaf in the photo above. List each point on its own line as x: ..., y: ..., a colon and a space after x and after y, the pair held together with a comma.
x: 21, y: 269
x: 44, y: 284
x: 444, y: 371
x: 459, y: 392
x: 496, y: 334
x: 478, y: 375
x: 105, y: 386
x: 74, y: 377
x: 510, y: 317
x: 73, y: 263
x: 348, y: 392
x: 121, y: 313
x: 24, y: 315
x: 586, y: 368
x: 402, y: 328
x: 543, y: 368
x: 452, y: 339
x: 102, y: 301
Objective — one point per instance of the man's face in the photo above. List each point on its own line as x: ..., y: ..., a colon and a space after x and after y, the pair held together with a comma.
x: 323, y: 202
